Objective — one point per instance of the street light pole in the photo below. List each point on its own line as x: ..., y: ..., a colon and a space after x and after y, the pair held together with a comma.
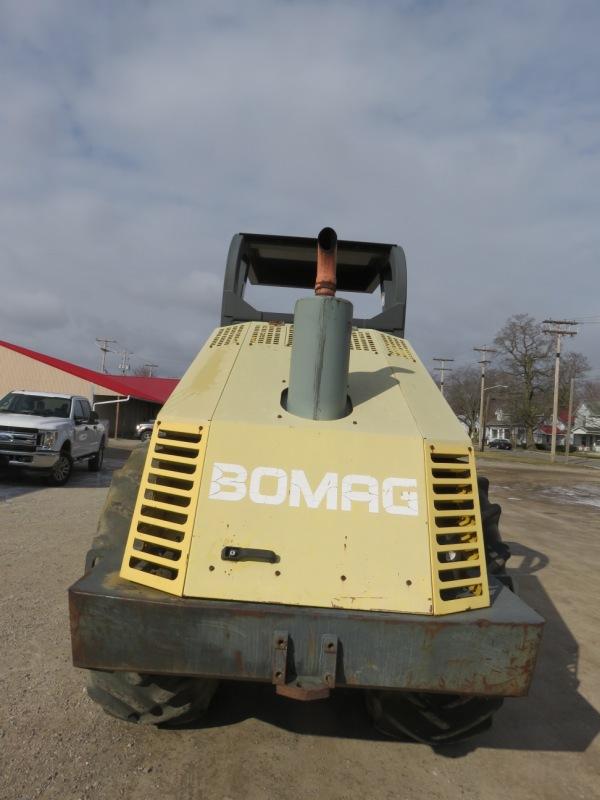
x: 483, y: 361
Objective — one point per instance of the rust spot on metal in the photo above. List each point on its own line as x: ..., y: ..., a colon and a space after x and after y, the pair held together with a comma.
x: 326, y: 282
x: 303, y: 692
x: 74, y: 615
x: 239, y: 661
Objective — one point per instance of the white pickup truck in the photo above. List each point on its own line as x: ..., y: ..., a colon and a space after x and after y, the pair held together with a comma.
x: 49, y: 432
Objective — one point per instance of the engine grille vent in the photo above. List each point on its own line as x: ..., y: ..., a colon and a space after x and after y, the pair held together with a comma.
x: 162, y: 524
x: 459, y: 573
x: 267, y: 333
x: 283, y: 335
x: 397, y: 347
x: 230, y: 334
x: 363, y: 340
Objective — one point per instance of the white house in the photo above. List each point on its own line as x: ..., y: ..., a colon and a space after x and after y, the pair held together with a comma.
x: 586, y: 426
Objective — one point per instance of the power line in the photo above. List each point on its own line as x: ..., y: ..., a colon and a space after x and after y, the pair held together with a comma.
x: 150, y: 367
x: 442, y: 370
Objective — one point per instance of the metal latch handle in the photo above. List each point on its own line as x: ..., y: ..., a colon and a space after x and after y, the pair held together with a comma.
x: 249, y: 554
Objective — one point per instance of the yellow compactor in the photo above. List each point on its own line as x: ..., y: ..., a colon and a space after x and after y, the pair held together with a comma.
x: 307, y: 513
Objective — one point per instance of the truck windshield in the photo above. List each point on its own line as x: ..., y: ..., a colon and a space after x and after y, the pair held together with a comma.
x: 35, y: 405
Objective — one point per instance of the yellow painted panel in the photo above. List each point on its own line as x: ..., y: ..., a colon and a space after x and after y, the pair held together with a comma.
x: 199, y: 391
x: 432, y: 415
x: 368, y: 550
x: 261, y: 372
x: 345, y: 504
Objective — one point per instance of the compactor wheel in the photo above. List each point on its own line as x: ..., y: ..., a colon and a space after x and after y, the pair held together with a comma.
x: 150, y: 699
x: 144, y: 699
x: 434, y: 719
x: 438, y: 719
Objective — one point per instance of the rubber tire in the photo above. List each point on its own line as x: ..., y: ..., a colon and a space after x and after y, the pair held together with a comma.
x: 497, y: 552
x: 433, y: 719
x: 146, y: 436
x: 150, y: 699
x: 437, y: 719
x: 143, y: 699
x: 95, y: 463
x: 115, y: 520
x: 60, y: 481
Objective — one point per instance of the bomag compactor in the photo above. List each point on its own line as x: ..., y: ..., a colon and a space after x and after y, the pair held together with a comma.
x: 307, y: 513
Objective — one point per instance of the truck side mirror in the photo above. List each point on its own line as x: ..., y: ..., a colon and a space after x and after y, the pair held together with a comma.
x: 94, y: 417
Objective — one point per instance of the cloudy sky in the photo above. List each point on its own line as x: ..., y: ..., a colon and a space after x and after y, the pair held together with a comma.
x: 137, y: 137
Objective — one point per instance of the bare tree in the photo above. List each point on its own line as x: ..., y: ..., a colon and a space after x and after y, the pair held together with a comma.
x: 145, y: 371
x: 462, y: 394
x: 463, y: 391
x: 590, y: 391
x: 525, y: 353
x: 573, y: 365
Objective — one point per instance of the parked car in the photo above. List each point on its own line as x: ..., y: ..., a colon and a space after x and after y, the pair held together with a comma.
x: 143, y: 430
x: 48, y: 432
x: 500, y: 444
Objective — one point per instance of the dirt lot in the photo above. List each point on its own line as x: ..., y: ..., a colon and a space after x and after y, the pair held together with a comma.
x: 54, y: 743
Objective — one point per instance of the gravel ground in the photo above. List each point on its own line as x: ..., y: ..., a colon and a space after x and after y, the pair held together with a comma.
x: 55, y: 743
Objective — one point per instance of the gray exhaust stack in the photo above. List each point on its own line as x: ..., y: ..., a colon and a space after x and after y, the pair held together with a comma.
x: 318, y: 385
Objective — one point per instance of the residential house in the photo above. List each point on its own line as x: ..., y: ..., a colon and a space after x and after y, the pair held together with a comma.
x: 585, y: 428
x: 499, y: 425
x: 585, y: 434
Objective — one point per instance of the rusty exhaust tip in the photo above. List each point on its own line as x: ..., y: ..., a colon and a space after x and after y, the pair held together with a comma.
x: 325, y: 284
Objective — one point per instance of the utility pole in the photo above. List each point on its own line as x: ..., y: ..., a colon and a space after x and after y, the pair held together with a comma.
x: 103, y: 345
x: 150, y: 367
x: 484, y: 350
x: 124, y: 365
x: 570, y: 413
x: 443, y: 369
x: 561, y: 327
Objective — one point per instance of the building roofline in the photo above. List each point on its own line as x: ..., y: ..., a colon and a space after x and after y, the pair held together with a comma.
x: 153, y: 390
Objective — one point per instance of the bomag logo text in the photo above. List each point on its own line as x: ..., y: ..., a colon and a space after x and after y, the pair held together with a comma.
x: 274, y: 486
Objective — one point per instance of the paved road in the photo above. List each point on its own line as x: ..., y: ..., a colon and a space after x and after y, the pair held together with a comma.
x: 542, y: 457
x: 54, y: 743
x: 16, y: 484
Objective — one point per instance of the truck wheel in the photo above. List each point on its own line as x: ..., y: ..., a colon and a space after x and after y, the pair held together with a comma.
x: 95, y: 463
x: 145, y: 699
x: 61, y: 471
x: 145, y: 436
x: 437, y: 719
x: 150, y: 699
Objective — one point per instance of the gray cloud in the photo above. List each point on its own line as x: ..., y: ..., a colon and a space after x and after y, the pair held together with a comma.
x: 37, y: 310
x: 137, y: 138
